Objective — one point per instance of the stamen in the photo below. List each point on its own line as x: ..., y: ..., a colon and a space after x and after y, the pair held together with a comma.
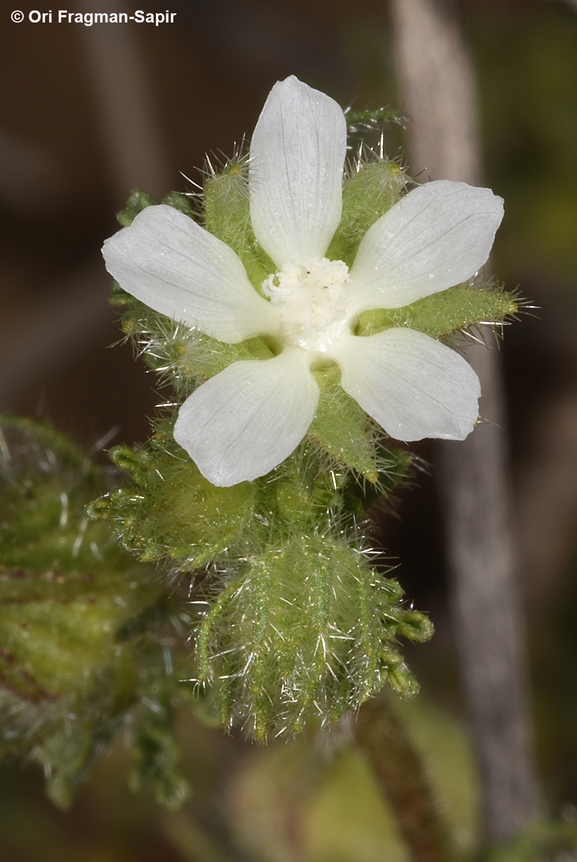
x: 312, y: 301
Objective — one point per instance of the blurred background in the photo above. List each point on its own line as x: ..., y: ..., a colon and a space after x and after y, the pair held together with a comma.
x: 87, y: 113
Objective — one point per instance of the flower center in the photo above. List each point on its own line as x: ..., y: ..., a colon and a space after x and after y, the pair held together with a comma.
x: 312, y: 301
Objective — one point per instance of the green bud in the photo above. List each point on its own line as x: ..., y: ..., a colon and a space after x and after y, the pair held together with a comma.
x: 137, y: 201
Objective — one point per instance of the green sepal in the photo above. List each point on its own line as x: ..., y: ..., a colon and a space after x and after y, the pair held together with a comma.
x: 367, y: 195
x: 227, y: 206
x: 188, y: 356
x: 171, y: 511
x: 302, y: 493
x: 227, y: 216
x: 342, y: 428
x: 454, y: 310
x: 181, y: 356
x: 136, y: 202
x: 305, y: 632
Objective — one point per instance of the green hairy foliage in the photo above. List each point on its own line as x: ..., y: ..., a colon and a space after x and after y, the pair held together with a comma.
x: 72, y: 666
x: 305, y: 633
x: 181, y: 357
x: 457, y: 309
x: 299, y: 624
x: 172, y: 512
x: 369, y: 191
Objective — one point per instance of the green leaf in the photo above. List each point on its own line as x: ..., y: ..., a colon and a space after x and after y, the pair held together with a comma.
x: 78, y: 616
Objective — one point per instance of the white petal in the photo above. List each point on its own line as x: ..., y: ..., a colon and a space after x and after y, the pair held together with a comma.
x: 412, y: 385
x: 249, y: 418
x: 438, y: 236
x: 179, y: 269
x: 296, y: 171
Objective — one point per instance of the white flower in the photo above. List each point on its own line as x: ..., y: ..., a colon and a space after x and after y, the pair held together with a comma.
x: 246, y: 420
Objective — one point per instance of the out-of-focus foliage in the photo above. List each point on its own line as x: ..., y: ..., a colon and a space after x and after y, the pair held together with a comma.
x: 540, y: 841
x: 74, y: 666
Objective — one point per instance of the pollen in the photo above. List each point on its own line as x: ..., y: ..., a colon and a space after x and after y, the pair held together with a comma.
x: 312, y: 300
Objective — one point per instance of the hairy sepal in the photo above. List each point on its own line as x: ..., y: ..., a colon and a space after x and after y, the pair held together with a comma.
x: 226, y: 214
x: 457, y: 309
x: 370, y: 190
x: 182, y: 357
x: 170, y: 511
x: 345, y: 432
x: 304, y: 633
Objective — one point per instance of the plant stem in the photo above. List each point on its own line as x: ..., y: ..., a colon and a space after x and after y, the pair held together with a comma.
x: 401, y: 777
x: 488, y: 619
x: 437, y: 84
